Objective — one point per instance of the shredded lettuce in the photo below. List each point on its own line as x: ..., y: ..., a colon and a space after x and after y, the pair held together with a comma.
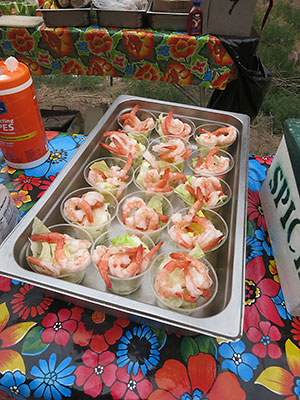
x: 128, y: 240
x: 101, y: 166
x: 184, y: 194
x: 159, y: 122
x: 41, y: 249
x: 197, y: 252
x: 144, y: 168
x: 156, y: 203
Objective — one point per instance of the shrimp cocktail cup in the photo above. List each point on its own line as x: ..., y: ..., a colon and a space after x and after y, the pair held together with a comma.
x: 211, y: 162
x: 142, y: 215
x: 61, y: 251
x: 213, y: 134
x: 121, y: 145
x: 110, y: 174
x: 169, y: 151
x: 154, y: 181
x: 122, y: 261
x: 183, y: 283
x: 198, y: 232
x: 91, y: 210
x: 170, y: 125
x: 214, y: 192
x: 137, y: 123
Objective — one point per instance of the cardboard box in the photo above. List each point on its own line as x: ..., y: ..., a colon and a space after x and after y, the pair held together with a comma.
x: 279, y: 197
x: 230, y: 18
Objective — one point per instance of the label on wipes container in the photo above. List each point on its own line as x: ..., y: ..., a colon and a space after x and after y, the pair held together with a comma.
x: 9, y: 215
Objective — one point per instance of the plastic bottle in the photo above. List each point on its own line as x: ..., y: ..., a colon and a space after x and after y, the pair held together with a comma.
x: 9, y: 214
x: 22, y: 135
x: 195, y: 19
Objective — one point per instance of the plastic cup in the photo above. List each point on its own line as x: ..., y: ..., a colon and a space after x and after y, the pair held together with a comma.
x: 226, y: 191
x: 155, y: 235
x: 218, y: 222
x: 171, y: 161
x: 118, y: 192
x: 174, y: 305
x: 203, y: 152
x: 94, y: 229
x: 140, y: 136
x: 211, y: 127
x: 77, y: 233
x: 121, y: 286
x: 182, y: 119
x: 6, y: 8
x: 138, y: 181
x: 136, y: 161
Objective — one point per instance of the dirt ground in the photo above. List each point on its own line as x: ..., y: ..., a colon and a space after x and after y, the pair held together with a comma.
x: 262, y: 139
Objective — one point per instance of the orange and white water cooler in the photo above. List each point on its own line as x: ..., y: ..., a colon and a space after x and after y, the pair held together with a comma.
x: 22, y: 135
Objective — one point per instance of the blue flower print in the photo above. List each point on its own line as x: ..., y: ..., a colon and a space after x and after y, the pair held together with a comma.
x: 238, y: 362
x: 253, y: 248
x: 256, y: 175
x: 51, y: 382
x: 62, y: 148
x: 55, y: 66
x: 83, y: 46
x: 280, y: 305
x: 129, y: 70
x: 146, y: 353
x: 7, y: 45
x: 262, y: 236
x: 207, y: 76
x: 14, y: 384
x: 164, y: 51
x: 196, y: 395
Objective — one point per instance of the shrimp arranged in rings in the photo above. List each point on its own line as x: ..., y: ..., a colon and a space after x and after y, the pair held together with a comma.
x: 210, y: 187
x: 174, y: 126
x: 70, y: 255
x: 133, y: 124
x: 212, y: 163
x: 86, y: 210
x: 115, y: 177
x: 183, y: 277
x: 191, y: 229
x: 121, y: 144
x: 224, y: 136
x: 136, y: 215
x: 160, y: 181
x: 173, y: 151
x: 122, y: 261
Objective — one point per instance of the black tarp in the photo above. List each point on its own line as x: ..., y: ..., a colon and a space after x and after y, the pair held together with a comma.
x: 244, y: 94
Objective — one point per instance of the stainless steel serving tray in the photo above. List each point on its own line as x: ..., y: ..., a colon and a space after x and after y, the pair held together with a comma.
x: 66, y: 16
x: 221, y: 318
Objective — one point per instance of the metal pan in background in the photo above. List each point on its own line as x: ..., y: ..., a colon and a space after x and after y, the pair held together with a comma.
x: 66, y: 17
x: 222, y: 318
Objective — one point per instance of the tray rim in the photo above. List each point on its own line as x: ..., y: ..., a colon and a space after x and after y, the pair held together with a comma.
x: 172, y: 321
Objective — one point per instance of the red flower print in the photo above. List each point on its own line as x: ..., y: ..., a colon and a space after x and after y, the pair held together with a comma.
x: 200, y: 379
x: 296, y: 329
x: 59, y: 40
x: 20, y: 197
x: 263, y: 336
x: 177, y: 73
x: 113, y: 330
x: 147, y: 72
x: 20, y: 40
x: 138, y: 44
x: 34, y: 67
x: 258, y: 295
x: 73, y: 67
x: 264, y: 159
x: 4, y: 284
x: 98, y: 368
x: 218, y: 52
x: 130, y: 388
x: 255, y: 209
x: 182, y: 46
x: 26, y: 182
x: 45, y: 185
x: 30, y: 302
x: 60, y: 327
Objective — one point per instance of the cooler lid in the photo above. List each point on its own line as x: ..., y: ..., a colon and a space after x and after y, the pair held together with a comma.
x: 13, y: 79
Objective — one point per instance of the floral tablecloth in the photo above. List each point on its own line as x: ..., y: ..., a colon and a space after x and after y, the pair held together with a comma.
x: 50, y: 349
x: 138, y: 54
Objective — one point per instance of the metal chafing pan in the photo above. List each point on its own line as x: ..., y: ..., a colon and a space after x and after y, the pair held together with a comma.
x: 66, y: 16
x: 223, y: 317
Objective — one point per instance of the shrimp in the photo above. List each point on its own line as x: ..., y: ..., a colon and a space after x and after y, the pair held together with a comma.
x: 133, y: 124
x: 224, y: 136
x: 173, y: 151
x: 94, y: 199
x: 117, y: 172
x: 123, y: 266
x: 157, y: 181
x: 46, y: 267
x: 149, y: 255
x: 144, y: 219
x: 212, y: 163
x: 121, y: 144
x: 95, y: 176
x: 78, y: 210
x: 197, y: 279
x: 210, y: 237
x: 178, y: 235
x: 131, y: 204
x: 174, y: 126
x: 210, y: 188
x: 71, y: 255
